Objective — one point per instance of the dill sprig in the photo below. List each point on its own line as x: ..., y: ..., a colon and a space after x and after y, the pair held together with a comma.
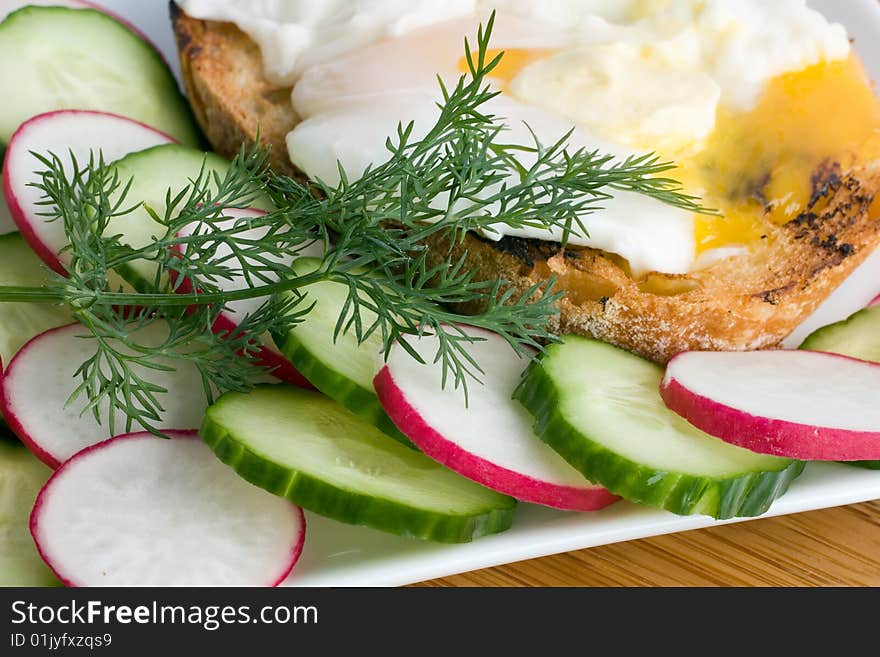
x: 461, y: 176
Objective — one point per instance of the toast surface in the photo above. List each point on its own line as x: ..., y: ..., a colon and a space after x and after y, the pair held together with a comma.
x: 232, y: 101
x: 751, y: 301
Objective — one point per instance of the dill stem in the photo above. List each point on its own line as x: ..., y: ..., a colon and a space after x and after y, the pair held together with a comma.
x: 16, y: 293
x: 21, y: 293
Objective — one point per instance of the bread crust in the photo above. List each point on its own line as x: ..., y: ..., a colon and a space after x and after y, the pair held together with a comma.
x: 751, y: 301
x: 223, y: 73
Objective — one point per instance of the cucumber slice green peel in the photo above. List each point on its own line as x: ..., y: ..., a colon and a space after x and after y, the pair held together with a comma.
x: 341, y: 368
x: 300, y: 445
x: 60, y: 58
x: 19, y: 322
x: 867, y: 465
x: 858, y: 336
x: 599, y: 407
x: 153, y: 172
x: 21, y: 477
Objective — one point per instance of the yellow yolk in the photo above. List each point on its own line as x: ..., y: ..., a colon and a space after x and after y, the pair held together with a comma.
x: 514, y: 61
x: 761, y: 165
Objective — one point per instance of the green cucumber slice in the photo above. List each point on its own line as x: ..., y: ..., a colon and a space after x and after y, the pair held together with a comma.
x: 19, y: 322
x: 21, y: 477
x: 7, y: 223
x: 342, y: 369
x: 153, y: 172
x: 857, y: 337
x: 867, y: 465
x: 303, y: 446
x: 599, y: 407
x: 60, y: 58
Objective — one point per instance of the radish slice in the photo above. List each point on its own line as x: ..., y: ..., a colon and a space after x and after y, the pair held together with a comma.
x: 236, y: 311
x: 858, y: 336
x: 490, y: 439
x: 800, y: 404
x: 39, y: 380
x: 79, y: 132
x: 138, y: 510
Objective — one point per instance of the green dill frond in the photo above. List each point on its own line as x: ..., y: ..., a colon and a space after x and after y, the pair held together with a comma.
x: 460, y: 176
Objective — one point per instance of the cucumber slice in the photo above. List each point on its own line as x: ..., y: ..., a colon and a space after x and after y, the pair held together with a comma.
x: 7, y: 223
x: 21, y: 477
x: 856, y: 337
x: 9, y: 6
x: 342, y: 369
x: 303, y: 446
x: 600, y: 408
x: 153, y: 172
x: 19, y: 322
x: 60, y: 58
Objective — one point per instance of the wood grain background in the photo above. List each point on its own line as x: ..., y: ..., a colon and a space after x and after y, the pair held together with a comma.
x: 831, y: 547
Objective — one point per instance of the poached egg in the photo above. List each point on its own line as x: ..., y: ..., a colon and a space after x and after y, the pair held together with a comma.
x: 749, y: 98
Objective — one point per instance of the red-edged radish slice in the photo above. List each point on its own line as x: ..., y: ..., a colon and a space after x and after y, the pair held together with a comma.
x: 805, y: 405
x: 490, y: 439
x: 236, y: 311
x: 875, y: 302
x: 138, y: 510
x: 64, y: 132
x: 39, y: 380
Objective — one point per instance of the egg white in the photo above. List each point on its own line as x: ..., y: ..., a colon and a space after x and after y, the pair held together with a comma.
x: 633, y: 76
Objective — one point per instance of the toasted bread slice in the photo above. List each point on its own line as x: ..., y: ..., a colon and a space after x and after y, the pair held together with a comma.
x: 223, y: 73
x: 751, y: 301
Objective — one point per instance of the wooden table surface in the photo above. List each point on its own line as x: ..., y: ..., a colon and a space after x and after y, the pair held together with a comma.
x: 831, y: 547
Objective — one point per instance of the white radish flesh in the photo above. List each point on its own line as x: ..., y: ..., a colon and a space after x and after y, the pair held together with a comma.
x: 798, y: 404
x: 66, y: 133
x: 39, y: 381
x: 490, y: 439
x: 139, y: 510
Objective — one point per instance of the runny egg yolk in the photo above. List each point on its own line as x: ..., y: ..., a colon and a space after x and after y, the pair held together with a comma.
x: 764, y: 164
x: 513, y: 61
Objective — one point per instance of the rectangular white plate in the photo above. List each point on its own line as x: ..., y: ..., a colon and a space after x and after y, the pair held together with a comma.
x: 342, y: 555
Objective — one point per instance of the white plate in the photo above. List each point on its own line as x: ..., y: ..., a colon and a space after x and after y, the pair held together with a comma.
x: 342, y: 555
